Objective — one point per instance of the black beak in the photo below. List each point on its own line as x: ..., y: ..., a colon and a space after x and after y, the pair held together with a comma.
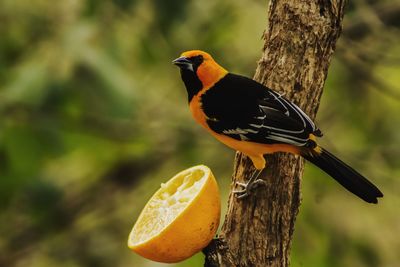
x: 183, y: 63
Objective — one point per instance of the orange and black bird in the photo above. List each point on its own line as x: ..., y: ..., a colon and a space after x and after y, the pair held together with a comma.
x: 251, y: 118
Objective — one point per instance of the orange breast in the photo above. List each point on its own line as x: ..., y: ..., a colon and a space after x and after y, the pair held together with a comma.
x: 197, y: 112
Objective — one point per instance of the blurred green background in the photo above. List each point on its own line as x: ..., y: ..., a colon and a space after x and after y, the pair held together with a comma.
x: 94, y: 117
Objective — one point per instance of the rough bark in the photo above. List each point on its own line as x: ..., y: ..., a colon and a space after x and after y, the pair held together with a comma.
x: 299, y: 42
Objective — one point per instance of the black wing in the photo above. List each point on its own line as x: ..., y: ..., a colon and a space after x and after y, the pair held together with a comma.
x: 244, y: 109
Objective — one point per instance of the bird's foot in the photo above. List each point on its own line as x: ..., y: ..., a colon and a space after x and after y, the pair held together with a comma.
x: 248, y: 188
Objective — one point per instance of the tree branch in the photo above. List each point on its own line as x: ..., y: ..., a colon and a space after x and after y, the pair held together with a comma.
x: 299, y: 43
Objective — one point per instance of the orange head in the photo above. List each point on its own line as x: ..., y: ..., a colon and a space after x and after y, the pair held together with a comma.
x: 199, y: 71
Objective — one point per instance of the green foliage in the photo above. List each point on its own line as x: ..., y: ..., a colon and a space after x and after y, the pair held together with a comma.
x: 94, y: 117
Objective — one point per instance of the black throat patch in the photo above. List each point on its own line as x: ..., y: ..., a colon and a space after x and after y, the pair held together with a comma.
x: 189, y: 77
x: 192, y: 83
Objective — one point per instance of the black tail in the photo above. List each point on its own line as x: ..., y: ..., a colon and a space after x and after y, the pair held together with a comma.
x: 345, y: 175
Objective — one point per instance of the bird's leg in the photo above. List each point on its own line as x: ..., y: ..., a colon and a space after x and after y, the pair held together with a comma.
x: 250, y: 186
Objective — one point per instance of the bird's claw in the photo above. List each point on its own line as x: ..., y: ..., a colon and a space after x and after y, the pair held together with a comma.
x: 248, y: 188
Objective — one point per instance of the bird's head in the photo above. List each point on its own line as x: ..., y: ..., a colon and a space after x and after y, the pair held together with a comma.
x: 192, y: 60
x: 199, y: 71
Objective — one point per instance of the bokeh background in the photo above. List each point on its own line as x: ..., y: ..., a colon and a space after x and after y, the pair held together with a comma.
x: 94, y: 117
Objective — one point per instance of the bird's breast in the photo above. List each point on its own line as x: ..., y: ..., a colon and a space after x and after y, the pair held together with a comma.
x: 197, y: 111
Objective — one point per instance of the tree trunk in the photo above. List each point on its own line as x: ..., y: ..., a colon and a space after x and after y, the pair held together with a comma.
x: 299, y: 43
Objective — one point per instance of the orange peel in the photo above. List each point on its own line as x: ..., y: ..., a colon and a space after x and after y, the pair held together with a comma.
x: 180, y: 219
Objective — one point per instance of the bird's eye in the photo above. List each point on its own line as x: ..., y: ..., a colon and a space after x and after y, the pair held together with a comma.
x: 197, y: 60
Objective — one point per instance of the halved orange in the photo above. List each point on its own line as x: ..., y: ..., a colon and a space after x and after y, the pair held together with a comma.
x: 180, y: 219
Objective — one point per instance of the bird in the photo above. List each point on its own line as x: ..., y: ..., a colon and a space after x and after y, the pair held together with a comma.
x: 256, y: 120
